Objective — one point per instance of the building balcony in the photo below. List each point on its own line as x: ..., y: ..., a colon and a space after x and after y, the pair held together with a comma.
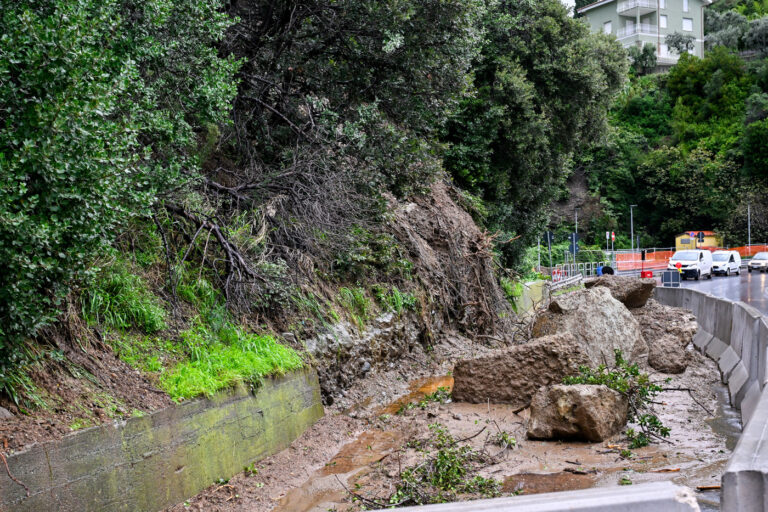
x: 637, y: 28
x: 636, y: 7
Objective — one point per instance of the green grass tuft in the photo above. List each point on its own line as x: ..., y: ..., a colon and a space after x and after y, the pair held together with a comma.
x: 357, y: 305
x: 120, y: 299
x: 393, y: 300
x: 221, y: 360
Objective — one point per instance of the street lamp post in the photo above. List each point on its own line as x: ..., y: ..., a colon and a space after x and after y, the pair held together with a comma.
x: 576, y: 234
x: 749, y: 230
x: 632, y: 227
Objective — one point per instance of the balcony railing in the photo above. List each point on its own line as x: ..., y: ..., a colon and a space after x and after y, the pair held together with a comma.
x: 637, y: 28
x: 632, y: 4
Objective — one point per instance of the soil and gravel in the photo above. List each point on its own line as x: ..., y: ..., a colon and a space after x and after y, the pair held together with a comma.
x: 355, y: 455
x: 87, y: 385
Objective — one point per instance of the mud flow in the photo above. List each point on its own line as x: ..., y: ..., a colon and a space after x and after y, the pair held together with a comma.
x: 368, y: 469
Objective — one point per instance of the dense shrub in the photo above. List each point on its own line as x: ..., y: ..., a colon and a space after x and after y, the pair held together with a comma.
x: 101, y: 103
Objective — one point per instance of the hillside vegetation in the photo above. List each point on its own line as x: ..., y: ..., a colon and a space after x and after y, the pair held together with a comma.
x: 688, y: 146
x: 184, y: 181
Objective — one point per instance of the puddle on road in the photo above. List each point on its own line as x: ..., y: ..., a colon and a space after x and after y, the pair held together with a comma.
x: 537, y: 483
x: 727, y: 420
x: 371, y: 446
x: 418, y: 388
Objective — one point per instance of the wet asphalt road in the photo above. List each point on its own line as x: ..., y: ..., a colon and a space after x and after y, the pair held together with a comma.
x: 751, y: 288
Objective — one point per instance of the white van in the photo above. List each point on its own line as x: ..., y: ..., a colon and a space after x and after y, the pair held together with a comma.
x: 694, y: 263
x: 726, y: 263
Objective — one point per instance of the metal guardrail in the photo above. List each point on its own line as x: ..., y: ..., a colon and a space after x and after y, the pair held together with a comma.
x: 565, y: 283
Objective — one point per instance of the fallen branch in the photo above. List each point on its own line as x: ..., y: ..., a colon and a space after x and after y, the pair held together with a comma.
x: 690, y: 393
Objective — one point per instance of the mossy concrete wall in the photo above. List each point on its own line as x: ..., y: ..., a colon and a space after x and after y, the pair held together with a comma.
x: 534, y: 293
x: 148, y: 463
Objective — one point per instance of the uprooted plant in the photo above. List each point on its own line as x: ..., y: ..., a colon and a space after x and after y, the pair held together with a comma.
x: 445, y: 473
x: 626, y: 379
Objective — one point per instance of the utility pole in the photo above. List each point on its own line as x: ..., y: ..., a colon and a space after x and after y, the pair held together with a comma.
x: 632, y: 227
x: 749, y: 230
x: 538, y: 251
x: 576, y: 212
x: 576, y: 234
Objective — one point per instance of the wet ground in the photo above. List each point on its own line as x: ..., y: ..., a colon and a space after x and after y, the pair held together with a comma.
x: 359, y: 451
x: 751, y: 288
x: 369, y: 467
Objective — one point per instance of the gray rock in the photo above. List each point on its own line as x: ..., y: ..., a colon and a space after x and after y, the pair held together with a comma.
x: 633, y: 292
x: 5, y: 414
x: 579, y: 412
x: 366, y: 367
x: 513, y: 376
x: 598, y: 322
x: 668, y: 355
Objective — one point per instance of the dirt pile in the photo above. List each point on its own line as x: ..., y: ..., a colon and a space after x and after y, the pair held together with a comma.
x: 87, y: 386
x: 667, y: 355
x: 514, y: 375
x: 667, y: 331
x: 630, y: 291
x: 453, y: 260
x: 577, y: 412
x: 600, y: 323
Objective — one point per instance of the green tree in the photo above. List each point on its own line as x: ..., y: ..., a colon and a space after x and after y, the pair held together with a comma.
x: 101, y: 103
x: 643, y: 60
x: 680, y: 43
x: 543, y: 86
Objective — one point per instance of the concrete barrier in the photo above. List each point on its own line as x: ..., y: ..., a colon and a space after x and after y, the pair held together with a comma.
x: 149, y: 463
x: 735, y: 335
x: 745, y: 482
x: 653, y: 497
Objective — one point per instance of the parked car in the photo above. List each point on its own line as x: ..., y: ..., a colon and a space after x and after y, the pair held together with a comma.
x: 693, y: 263
x: 758, y: 262
x: 726, y: 263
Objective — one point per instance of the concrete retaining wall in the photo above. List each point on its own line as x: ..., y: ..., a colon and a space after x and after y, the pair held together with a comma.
x: 735, y: 335
x: 149, y: 463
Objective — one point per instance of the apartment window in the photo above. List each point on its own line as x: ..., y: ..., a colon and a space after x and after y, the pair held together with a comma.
x: 688, y: 24
x: 607, y: 27
x: 663, y: 21
x: 662, y: 4
x: 685, y: 5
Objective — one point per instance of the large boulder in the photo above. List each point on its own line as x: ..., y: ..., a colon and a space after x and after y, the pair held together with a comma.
x: 667, y: 355
x: 513, y: 376
x: 599, y: 323
x: 630, y: 291
x: 658, y: 321
x: 579, y: 412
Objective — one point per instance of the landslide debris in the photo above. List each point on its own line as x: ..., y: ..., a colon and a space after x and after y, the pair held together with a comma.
x: 454, y: 261
x: 599, y: 323
x: 514, y: 375
x: 577, y: 412
x: 667, y: 355
x: 667, y: 331
x: 630, y: 291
